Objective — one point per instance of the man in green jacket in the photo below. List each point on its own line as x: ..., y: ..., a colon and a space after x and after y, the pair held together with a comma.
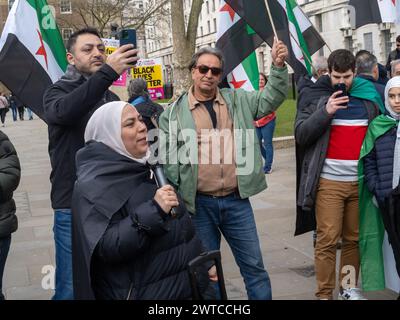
x: 213, y: 158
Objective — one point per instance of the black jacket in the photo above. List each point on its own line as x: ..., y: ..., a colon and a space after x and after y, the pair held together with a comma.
x: 309, y: 93
x: 10, y: 172
x: 378, y: 166
x: 124, y: 246
x: 68, y: 105
x: 393, y: 55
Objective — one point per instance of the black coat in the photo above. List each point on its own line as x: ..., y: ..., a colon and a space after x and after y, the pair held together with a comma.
x: 124, y: 246
x: 68, y: 105
x: 378, y: 166
x: 309, y: 93
x: 391, y: 221
x: 10, y: 172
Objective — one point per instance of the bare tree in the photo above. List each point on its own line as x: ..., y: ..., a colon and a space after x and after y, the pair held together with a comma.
x: 101, y: 13
x: 184, y: 41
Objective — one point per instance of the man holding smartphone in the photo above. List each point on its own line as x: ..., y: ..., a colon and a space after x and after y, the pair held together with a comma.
x: 331, y: 130
x: 68, y: 105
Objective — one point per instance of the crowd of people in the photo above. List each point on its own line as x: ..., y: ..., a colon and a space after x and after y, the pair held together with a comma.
x: 8, y: 102
x: 121, y: 234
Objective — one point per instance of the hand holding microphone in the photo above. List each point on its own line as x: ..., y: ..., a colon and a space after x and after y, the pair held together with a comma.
x: 166, y: 198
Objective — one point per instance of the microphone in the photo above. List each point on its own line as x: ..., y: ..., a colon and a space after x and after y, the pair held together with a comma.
x: 161, y: 181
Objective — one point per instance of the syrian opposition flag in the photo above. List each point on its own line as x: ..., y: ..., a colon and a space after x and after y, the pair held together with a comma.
x: 32, y: 53
x: 292, y: 25
x: 237, y: 40
x: 375, y: 11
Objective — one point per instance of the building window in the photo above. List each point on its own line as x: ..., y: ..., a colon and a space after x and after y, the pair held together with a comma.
x: 213, y: 5
x: 318, y: 22
x: 387, y: 42
x: 348, y: 43
x: 215, y: 24
x: 66, y: 33
x: 65, y: 6
x: 208, y: 7
x: 368, y: 43
x: 209, y: 26
x: 201, y: 31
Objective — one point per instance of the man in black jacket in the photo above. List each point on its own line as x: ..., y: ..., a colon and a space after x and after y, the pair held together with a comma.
x: 68, y: 105
x: 394, y: 55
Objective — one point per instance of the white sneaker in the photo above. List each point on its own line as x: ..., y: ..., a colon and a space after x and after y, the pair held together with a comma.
x: 351, y: 294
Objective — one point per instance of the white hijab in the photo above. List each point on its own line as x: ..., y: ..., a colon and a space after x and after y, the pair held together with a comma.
x: 394, y: 83
x: 105, y: 126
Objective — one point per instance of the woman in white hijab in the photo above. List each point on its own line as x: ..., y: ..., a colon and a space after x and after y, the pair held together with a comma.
x: 125, y: 243
x: 379, y: 176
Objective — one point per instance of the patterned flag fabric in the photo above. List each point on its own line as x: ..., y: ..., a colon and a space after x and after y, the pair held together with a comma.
x: 292, y: 26
x: 241, y: 60
x: 32, y: 53
x: 375, y: 11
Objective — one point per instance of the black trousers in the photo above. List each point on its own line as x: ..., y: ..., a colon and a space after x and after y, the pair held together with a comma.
x: 3, y: 112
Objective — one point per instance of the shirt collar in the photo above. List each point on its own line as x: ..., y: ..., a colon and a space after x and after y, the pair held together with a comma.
x: 194, y: 103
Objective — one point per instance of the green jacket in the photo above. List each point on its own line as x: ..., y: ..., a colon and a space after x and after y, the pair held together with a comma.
x: 178, y: 137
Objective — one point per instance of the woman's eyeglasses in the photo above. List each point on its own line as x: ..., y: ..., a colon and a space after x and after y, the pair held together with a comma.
x: 204, y: 70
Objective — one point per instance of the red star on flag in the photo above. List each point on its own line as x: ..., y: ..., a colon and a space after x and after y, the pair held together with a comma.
x: 42, y: 51
x: 227, y: 8
x: 237, y: 84
x: 394, y: 2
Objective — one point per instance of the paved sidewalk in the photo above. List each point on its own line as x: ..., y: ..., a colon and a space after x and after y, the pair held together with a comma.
x: 289, y: 260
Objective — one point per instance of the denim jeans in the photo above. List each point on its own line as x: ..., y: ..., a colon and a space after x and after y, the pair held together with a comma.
x: 234, y: 218
x: 30, y: 114
x: 265, y: 135
x: 4, y: 248
x: 63, y: 241
x: 14, y: 113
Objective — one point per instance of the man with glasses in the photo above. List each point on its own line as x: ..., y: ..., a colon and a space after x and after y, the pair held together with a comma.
x: 394, y: 55
x: 215, y: 129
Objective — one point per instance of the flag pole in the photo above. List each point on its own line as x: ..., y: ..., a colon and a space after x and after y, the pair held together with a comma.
x: 329, y: 48
x: 304, y: 54
x: 272, y: 21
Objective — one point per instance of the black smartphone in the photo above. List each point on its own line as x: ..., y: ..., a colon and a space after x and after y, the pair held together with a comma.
x: 341, y: 87
x: 128, y: 36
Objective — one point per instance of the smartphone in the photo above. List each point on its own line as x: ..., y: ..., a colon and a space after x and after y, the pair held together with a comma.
x: 341, y: 87
x: 128, y: 36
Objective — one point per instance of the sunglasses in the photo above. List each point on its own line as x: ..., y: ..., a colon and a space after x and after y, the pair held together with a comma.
x: 204, y: 70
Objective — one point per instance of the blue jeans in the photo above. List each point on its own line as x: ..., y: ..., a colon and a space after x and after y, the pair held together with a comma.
x: 62, y: 236
x: 30, y: 115
x: 14, y: 113
x: 265, y: 135
x: 4, y: 248
x: 234, y: 218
